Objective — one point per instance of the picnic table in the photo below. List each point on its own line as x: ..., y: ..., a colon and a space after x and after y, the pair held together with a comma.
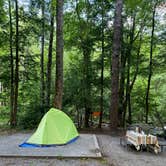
x: 140, y: 140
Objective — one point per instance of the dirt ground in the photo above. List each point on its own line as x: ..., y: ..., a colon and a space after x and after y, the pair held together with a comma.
x: 114, y: 155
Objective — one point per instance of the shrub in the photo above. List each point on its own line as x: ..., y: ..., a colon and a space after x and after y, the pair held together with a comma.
x: 31, y: 117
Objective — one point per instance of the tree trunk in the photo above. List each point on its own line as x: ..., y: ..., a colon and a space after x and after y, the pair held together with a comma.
x: 1, y: 91
x: 49, y: 64
x: 42, y: 56
x: 137, y: 63
x: 16, y: 81
x: 86, y: 83
x: 59, y: 55
x: 115, y: 65
x: 11, y: 66
x: 102, y: 69
x: 122, y: 86
x: 128, y: 94
x: 150, y: 64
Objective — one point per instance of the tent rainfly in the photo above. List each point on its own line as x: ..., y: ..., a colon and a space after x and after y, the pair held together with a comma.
x: 55, y: 128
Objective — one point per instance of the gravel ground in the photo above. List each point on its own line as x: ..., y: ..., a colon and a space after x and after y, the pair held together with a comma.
x: 114, y: 155
x: 120, y: 156
x: 52, y: 162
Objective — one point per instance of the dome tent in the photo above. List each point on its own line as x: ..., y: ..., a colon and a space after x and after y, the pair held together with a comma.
x: 55, y: 128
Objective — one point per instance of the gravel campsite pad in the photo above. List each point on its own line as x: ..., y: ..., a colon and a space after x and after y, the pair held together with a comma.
x: 113, y: 154
x: 85, y: 146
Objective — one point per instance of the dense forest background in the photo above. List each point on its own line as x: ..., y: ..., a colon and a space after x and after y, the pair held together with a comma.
x: 48, y: 57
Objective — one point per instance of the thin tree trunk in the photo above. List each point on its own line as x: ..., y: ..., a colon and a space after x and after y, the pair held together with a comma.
x: 150, y: 64
x: 115, y: 65
x: 11, y: 66
x: 1, y: 90
x: 128, y: 89
x: 59, y: 55
x: 137, y: 63
x: 42, y: 56
x: 14, y: 120
x: 87, y: 84
x: 102, y: 69
x: 128, y: 70
x: 86, y: 47
x: 49, y: 64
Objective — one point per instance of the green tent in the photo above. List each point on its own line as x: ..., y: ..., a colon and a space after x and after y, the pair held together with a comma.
x: 55, y: 128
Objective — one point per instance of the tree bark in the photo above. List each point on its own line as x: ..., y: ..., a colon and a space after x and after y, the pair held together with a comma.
x: 49, y: 64
x: 87, y: 48
x: 16, y: 81
x: 102, y: 68
x: 150, y: 63
x: 59, y: 55
x: 115, y: 65
x: 128, y: 94
x: 42, y: 56
x: 11, y: 65
x: 1, y: 90
x: 122, y: 85
x: 87, y: 83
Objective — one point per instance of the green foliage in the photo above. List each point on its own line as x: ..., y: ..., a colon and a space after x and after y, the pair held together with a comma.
x: 4, y: 114
x: 31, y: 116
x: 73, y: 81
x: 82, y: 33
